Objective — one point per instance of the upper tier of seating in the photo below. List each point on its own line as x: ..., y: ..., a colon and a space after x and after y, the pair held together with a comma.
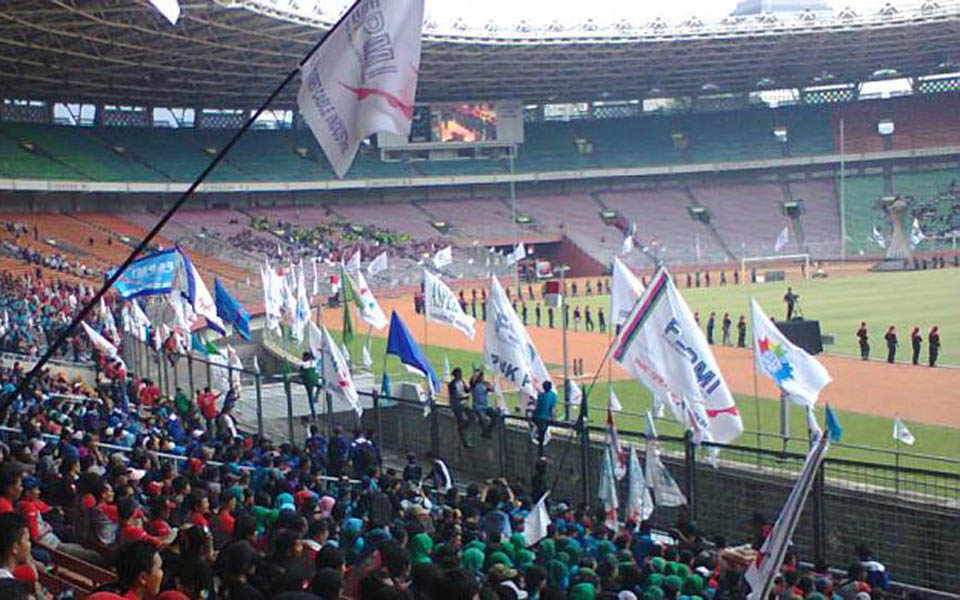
x: 159, y: 154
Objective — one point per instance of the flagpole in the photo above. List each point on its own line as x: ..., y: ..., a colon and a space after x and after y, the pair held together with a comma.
x: 896, y: 473
x: 148, y: 239
x: 756, y: 395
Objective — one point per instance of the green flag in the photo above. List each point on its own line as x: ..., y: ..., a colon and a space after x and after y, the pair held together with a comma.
x: 211, y: 349
x: 349, y: 297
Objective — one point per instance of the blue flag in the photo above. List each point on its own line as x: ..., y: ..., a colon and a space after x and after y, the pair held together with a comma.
x: 401, y: 344
x: 230, y: 310
x: 834, y: 430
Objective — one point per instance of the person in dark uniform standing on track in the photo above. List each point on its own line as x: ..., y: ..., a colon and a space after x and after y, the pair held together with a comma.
x: 601, y: 320
x: 934, y: 340
x: 791, y: 300
x: 742, y: 332
x: 864, y: 341
x: 536, y: 313
x: 588, y: 319
x: 710, y: 324
x: 916, y: 340
x: 550, y: 316
x: 725, y: 328
x: 891, y: 338
x: 523, y: 313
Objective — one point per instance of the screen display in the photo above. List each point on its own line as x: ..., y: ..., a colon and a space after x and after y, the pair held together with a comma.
x: 463, y: 123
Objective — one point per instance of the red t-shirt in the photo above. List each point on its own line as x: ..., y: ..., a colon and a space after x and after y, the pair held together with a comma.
x: 226, y: 521
x: 5, y: 505
x: 208, y: 406
x: 129, y: 533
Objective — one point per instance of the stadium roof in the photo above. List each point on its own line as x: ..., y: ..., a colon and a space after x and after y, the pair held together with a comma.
x: 232, y: 56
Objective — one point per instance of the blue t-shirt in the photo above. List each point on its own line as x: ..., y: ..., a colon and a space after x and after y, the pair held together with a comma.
x: 479, y: 393
x: 546, y: 401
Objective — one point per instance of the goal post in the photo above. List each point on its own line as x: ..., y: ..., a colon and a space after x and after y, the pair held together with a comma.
x: 782, y: 259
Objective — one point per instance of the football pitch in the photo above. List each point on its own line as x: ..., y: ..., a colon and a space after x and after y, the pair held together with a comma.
x: 907, y: 299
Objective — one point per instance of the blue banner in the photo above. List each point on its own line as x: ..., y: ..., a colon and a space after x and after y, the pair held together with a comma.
x: 150, y: 275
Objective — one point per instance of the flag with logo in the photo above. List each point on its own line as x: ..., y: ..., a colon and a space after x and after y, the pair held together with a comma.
x: 625, y: 288
x: 507, y: 346
x: 608, y: 490
x: 99, y: 342
x: 766, y: 566
x: 353, y: 263
x: 782, y: 240
x: 378, y: 265
x: 200, y: 297
x: 661, y: 345
x: 901, y: 433
x: 441, y: 306
x: 789, y: 366
x: 361, y: 295
x: 639, y: 501
x: 362, y: 80
x: 443, y: 257
x: 336, y: 371
x: 537, y: 522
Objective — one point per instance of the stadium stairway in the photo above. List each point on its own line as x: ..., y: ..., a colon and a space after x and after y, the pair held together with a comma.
x: 710, y: 227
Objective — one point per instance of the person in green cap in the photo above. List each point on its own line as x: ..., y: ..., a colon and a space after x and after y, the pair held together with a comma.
x: 420, y: 547
x: 472, y: 560
x: 583, y: 591
x: 653, y: 592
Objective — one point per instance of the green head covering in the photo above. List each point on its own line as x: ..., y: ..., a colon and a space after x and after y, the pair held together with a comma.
x: 692, y: 584
x: 654, y: 579
x: 583, y: 591
x: 472, y: 560
x: 557, y: 573
x: 816, y: 596
x: 498, y: 558
x: 624, y: 556
x: 475, y: 544
x: 672, y: 582
x: 525, y: 558
x: 420, y: 547
x: 670, y: 568
x: 509, y: 548
x: 564, y: 558
x: 546, y: 549
x: 604, y: 548
x: 683, y: 570
x: 653, y: 593
x: 518, y: 541
x: 658, y: 564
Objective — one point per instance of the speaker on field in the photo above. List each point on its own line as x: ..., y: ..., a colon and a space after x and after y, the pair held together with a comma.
x: 774, y: 276
x: 805, y: 334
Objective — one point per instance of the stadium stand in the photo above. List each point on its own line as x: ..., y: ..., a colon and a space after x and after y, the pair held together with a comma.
x: 862, y: 193
x: 473, y: 218
x: 923, y: 122
x: 577, y: 217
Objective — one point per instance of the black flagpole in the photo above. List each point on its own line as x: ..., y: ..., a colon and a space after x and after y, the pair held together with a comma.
x: 145, y: 242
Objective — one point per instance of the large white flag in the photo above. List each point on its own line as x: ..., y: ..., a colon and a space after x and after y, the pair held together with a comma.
x: 353, y: 263
x: 878, y: 238
x: 608, y: 491
x: 336, y: 371
x: 624, y: 290
x: 916, y: 234
x: 365, y: 301
x: 661, y: 345
x: 666, y: 492
x: 639, y: 501
x: 536, y: 523
x: 616, y: 449
x: 901, y: 433
x: 766, y: 566
x: 378, y: 265
x: 202, y: 301
x: 507, y: 346
x: 170, y: 9
x: 99, y: 342
x: 443, y: 257
x: 442, y: 306
x: 782, y: 240
x: 272, y: 296
x: 109, y: 323
x: 140, y: 322
x: 301, y: 314
x: 790, y: 367
x: 363, y: 78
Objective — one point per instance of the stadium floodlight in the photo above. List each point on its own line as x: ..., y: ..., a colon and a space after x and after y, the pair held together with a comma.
x: 885, y: 127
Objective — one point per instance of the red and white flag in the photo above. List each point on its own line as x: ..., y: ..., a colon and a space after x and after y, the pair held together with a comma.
x: 617, y: 450
x: 363, y: 78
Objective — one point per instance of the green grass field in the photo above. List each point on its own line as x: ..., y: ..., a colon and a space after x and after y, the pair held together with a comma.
x: 908, y: 299
x: 859, y: 429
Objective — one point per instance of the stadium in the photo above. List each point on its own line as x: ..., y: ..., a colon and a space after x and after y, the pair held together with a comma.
x: 197, y: 310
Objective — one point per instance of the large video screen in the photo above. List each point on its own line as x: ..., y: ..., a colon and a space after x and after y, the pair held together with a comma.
x: 462, y: 122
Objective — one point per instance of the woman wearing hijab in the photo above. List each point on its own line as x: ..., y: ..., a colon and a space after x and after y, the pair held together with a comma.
x: 420, y: 548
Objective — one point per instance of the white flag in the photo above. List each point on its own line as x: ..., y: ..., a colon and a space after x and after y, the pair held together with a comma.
x: 626, y: 245
x: 367, y: 359
x: 446, y: 367
x: 616, y: 450
x: 109, y: 323
x: 661, y: 345
x: 639, y: 501
x: 761, y: 572
x: 501, y: 401
x: 782, y: 240
x: 256, y: 364
x: 507, y: 346
x: 140, y: 321
x: 203, y: 304
x: 170, y: 9
x: 790, y: 367
x: 370, y: 310
x: 518, y: 254
x: 901, y: 433
x: 536, y: 523
x: 666, y: 492
x: 625, y: 288
x: 363, y: 78
x: 608, y: 491
x: 442, y: 306
x: 916, y: 234
x: 576, y: 394
x: 336, y: 372
x: 614, y: 403
x: 878, y: 238
x: 353, y: 263
x: 316, y: 277
x: 99, y: 342
x: 272, y: 297
x: 443, y: 257
x: 378, y: 265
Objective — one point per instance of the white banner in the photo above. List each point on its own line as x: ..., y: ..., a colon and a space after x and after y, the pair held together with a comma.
x: 625, y: 288
x: 639, y: 501
x: 661, y: 345
x: 363, y: 78
x: 441, y: 305
x: 370, y: 310
x: 507, y: 346
x: 443, y: 257
x: 666, y: 492
x: 336, y: 372
x: 782, y: 240
x: 378, y: 265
